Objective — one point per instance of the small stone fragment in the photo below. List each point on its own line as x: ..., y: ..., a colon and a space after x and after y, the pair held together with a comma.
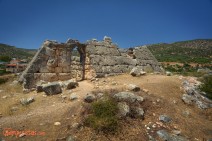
x: 57, y: 123
x: 165, y: 118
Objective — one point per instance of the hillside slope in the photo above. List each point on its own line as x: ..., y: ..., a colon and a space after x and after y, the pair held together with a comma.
x: 13, y: 52
x: 195, y: 51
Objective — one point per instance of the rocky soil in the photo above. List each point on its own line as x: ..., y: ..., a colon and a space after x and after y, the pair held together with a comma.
x: 151, y: 107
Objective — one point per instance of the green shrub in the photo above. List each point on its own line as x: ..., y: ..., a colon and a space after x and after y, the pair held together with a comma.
x: 5, y: 58
x: 103, y: 117
x: 207, y: 86
x: 3, y: 80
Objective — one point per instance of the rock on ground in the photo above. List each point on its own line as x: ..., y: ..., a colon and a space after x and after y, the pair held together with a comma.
x: 137, y: 112
x: 137, y: 71
x: 39, y: 88
x: 128, y: 97
x: 124, y: 109
x: 133, y: 87
x: 70, y: 84
x: 164, y: 118
x: 165, y: 136
x: 52, y: 88
x: 73, y: 96
x: 26, y: 101
x: 168, y: 73
x: 89, y: 98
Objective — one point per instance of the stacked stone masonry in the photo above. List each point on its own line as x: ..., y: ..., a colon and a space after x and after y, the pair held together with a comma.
x: 58, y: 61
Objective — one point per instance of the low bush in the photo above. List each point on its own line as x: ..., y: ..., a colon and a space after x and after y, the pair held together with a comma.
x: 103, y: 117
x: 3, y: 80
x: 207, y: 86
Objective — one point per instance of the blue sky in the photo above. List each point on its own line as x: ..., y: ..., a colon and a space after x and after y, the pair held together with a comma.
x: 27, y: 23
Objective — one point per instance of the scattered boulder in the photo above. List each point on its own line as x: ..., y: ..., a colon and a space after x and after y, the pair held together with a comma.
x: 57, y: 123
x: 133, y: 87
x: 71, y: 84
x: 14, y: 109
x: 190, y: 90
x: 165, y: 136
x: 137, y: 112
x: 124, y: 109
x: 26, y: 91
x: 186, y: 113
x: 193, y: 95
x: 52, y: 88
x: 168, y: 73
x: 202, y: 105
x: 205, y: 70
x: 73, y: 96
x: 164, y: 118
x: 188, y: 99
x: 76, y: 125
x: 39, y: 88
x: 137, y: 71
x: 4, y: 97
x: 15, y: 82
x: 22, y: 135
x: 70, y: 138
x: 176, y: 132
x: 89, y: 98
x: 26, y: 101
x: 128, y: 97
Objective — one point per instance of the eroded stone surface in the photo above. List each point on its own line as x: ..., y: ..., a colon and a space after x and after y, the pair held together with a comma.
x: 63, y: 61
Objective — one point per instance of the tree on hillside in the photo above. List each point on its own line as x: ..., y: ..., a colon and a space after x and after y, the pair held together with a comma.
x: 5, y: 58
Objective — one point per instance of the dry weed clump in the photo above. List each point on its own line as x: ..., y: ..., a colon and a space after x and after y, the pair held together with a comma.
x: 103, y: 117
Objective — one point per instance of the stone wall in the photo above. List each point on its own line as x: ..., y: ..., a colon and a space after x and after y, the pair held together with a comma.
x: 106, y: 58
x: 55, y: 61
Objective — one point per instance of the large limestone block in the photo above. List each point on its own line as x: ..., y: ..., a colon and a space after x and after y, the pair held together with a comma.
x: 120, y: 69
x: 50, y: 69
x: 52, y: 88
x: 66, y: 69
x: 97, y: 68
x: 106, y: 69
x: 52, y: 62
x: 50, y: 52
x: 148, y: 68
x: 58, y: 70
x: 29, y: 81
x: 126, y: 61
x: 64, y: 76
x: 64, y: 61
x: 96, y: 59
x: 44, y: 70
x: 109, y: 61
x: 103, y: 50
x: 50, y: 77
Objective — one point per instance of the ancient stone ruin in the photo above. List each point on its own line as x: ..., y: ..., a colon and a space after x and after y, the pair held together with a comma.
x: 62, y: 61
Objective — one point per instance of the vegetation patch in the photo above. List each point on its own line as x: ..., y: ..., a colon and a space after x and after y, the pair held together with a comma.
x: 207, y: 86
x: 196, y: 51
x: 185, y: 69
x: 103, y: 116
x: 3, y: 80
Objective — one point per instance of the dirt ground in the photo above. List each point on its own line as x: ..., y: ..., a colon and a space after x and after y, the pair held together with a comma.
x: 163, y: 97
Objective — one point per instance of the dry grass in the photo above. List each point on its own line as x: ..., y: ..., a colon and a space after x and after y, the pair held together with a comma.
x: 47, y: 110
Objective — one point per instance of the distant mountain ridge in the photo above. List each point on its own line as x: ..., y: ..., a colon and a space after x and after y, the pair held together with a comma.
x: 191, y: 51
x: 195, y: 51
x: 13, y: 52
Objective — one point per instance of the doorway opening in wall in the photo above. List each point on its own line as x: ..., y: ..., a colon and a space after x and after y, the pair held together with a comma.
x: 75, y: 52
x: 78, y: 63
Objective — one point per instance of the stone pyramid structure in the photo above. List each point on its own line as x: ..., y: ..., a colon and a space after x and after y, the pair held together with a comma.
x: 62, y: 61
